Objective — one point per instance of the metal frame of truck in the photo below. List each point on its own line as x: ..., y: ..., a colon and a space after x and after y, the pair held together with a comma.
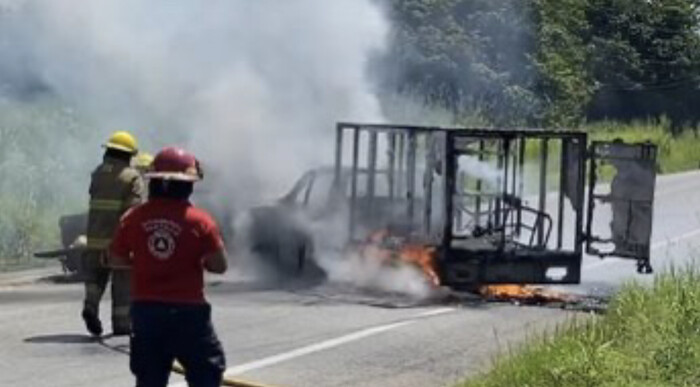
x: 418, y: 174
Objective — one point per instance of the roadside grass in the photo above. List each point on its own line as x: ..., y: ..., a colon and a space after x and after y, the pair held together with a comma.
x: 676, y: 153
x: 26, y: 227
x: 43, y: 164
x: 650, y: 336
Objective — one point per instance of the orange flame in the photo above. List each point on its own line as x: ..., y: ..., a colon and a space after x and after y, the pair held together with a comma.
x: 392, y: 249
x: 421, y: 256
x: 522, y: 293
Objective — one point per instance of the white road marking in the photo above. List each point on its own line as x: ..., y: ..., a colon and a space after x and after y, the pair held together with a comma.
x: 434, y: 312
x: 324, y: 345
x: 309, y: 349
x: 654, y: 246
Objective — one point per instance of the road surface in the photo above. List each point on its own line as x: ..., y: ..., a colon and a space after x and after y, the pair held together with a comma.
x: 304, y: 337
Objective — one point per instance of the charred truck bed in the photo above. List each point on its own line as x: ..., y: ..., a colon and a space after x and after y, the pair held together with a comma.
x: 493, y: 206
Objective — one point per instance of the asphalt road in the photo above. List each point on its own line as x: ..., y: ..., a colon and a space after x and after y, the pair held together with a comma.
x: 329, y: 336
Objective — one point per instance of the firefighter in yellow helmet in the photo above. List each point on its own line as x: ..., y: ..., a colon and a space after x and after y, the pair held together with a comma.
x: 114, y: 188
x: 143, y: 162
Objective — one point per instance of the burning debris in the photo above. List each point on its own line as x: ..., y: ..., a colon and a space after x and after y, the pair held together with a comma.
x: 392, y: 249
x: 524, y: 294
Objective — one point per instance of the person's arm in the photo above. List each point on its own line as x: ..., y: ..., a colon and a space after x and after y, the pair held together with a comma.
x: 137, y: 193
x: 214, y: 258
x: 119, y: 254
x: 216, y: 262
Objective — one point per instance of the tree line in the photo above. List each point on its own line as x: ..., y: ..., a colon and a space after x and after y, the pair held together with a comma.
x: 548, y: 62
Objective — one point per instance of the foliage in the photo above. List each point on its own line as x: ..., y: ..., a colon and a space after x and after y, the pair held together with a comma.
x: 541, y: 62
x: 677, y: 152
x: 561, y: 59
x: 649, y: 337
x: 465, y: 55
x: 43, y: 176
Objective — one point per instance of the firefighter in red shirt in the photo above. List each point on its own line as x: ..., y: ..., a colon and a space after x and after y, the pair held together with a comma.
x: 168, y: 243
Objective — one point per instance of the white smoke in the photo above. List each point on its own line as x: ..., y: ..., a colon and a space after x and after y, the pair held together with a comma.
x: 253, y: 87
x: 368, y: 272
x: 482, y: 170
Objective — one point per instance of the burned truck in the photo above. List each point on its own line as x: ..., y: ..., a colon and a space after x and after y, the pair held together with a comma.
x: 471, y: 206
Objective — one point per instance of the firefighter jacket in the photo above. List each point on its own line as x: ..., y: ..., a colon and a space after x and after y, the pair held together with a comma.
x: 114, y: 188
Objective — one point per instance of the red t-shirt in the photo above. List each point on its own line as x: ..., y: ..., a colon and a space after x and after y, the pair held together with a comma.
x: 167, y: 241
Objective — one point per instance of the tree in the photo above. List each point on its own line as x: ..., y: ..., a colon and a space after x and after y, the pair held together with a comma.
x: 465, y: 55
x: 645, y: 58
x: 561, y: 57
x: 548, y: 62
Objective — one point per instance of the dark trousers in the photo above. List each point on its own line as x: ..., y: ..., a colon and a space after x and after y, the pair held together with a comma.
x: 164, y: 332
x: 96, y: 276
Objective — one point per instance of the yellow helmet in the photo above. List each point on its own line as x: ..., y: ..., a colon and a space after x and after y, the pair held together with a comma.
x: 123, y: 141
x: 143, y: 161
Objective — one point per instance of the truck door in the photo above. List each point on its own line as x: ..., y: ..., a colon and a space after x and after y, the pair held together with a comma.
x: 621, y: 201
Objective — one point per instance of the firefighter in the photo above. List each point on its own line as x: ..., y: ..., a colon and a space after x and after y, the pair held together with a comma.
x: 169, y: 243
x: 143, y: 162
x: 115, y: 187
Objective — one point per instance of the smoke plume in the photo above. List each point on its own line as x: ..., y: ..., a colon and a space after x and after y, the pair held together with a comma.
x: 253, y: 87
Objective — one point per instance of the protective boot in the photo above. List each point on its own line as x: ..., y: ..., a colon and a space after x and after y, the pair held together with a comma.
x: 92, y: 322
x: 96, y: 278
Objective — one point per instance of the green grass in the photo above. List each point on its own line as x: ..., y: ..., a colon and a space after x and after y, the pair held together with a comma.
x: 43, y: 164
x: 676, y: 153
x: 649, y: 337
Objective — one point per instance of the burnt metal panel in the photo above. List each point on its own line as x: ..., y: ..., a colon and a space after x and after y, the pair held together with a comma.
x: 631, y: 199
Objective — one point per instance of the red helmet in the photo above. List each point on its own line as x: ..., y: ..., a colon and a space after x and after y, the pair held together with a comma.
x: 174, y: 163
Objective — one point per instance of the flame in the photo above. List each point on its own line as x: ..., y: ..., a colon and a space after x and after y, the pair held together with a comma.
x: 392, y: 249
x: 525, y: 293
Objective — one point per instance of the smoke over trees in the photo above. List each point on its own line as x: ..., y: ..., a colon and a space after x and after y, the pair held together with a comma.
x: 549, y: 62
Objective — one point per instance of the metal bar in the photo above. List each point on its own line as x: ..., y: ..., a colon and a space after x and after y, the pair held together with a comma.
x: 506, y: 171
x: 474, y: 132
x: 563, y: 170
x: 593, y: 177
x: 449, y: 191
x: 501, y: 184
x: 651, y: 155
x: 460, y: 195
x: 514, y: 177
x: 428, y: 184
x: 521, y: 182
x: 411, y: 174
x: 400, y: 183
x: 489, y: 217
x: 544, y: 158
x: 353, y: 180
x: 338, y: 154
x: 392, y: 163
x: 371, y: 173
x: 479, y: 184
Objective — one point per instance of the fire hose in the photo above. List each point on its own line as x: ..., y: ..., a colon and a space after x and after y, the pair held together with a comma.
x: 179, y: 369
x: 226, y: 381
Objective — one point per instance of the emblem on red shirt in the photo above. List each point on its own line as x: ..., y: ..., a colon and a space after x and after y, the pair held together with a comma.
x: 162, y: 235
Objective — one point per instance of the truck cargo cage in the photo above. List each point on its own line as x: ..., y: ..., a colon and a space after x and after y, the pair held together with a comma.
x: 498, y: 205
